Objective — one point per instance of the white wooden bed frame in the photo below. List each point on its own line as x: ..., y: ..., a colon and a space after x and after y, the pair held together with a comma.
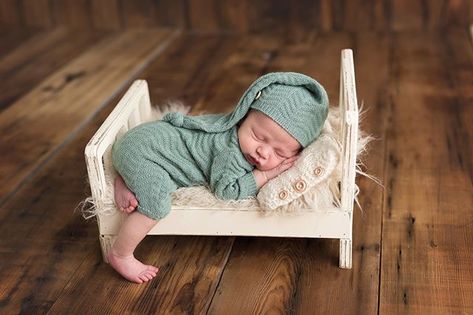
x: 135, y: 106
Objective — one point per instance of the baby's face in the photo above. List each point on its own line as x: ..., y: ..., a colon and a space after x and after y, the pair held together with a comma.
x: 264, y: 143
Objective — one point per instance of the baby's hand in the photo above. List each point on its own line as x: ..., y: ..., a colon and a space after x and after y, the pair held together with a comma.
x: 286, y: 164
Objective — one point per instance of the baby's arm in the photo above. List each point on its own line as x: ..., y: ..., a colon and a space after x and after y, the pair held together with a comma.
x: 229, y: 180
x: 262, y: 177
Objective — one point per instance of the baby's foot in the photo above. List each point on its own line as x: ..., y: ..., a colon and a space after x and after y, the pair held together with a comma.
x: 124, y: 197
x: 131, y: 268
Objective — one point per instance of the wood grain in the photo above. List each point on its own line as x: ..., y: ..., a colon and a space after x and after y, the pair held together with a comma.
x: 411, y: 242
x: 292, y: 275
x: 34, y: 272
x: 58, y: 187
x: 244, y: 16
x: 36, y: 13
x: 203, y: 15
x: 60, y: 225
x: 191, y: 266
x: 12, y: 38
x: 427, y: 235
x: 138, y: 13
x: 246, y: 63
x: 10, y: 13
x: 106, y: 15
x: 75, y: 14
x: 29, y: 63
x: 171, y: 13
x: 67, y: 99
x: 45, y: 239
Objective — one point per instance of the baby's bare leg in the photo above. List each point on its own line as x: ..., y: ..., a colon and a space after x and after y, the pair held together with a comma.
x: 124, y: 198
x: 121, y: 258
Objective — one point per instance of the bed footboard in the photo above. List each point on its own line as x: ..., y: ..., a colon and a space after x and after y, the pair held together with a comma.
x: 133, y: 108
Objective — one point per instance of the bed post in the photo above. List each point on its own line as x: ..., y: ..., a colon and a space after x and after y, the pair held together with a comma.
x: 349, y: 114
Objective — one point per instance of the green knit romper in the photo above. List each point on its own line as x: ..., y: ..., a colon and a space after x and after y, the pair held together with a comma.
x: 156, y: 158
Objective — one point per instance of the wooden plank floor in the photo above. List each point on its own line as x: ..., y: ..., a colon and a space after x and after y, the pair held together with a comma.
x: 411, y: 251
x: 27, y: 65
x: 67, y: 99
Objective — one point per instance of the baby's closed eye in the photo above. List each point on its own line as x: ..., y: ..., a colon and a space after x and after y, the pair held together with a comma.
x: 255, y: 136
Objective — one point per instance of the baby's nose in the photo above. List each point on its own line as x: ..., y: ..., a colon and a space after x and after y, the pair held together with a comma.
x: 262, y: 152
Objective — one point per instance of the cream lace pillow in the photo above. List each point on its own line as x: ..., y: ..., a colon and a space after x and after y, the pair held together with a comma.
x: 316, y: 164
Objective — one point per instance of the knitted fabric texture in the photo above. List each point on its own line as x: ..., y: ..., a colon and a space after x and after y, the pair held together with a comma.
x: 294, y: 108
x: 295, y: 101
x: 156, y: 158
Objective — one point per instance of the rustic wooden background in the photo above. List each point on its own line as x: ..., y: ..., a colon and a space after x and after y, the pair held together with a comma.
x: 240, y: 16
x: 65, y: 64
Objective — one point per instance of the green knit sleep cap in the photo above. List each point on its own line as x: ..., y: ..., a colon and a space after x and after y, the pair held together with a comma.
x: 300, y: 109
x: 294, y: 100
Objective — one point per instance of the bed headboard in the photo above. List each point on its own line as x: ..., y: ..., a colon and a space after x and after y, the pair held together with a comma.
x: 349, y: 115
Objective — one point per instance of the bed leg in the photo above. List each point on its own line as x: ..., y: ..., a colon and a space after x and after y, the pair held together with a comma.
x: 106, y: 242
x: 345, y: 253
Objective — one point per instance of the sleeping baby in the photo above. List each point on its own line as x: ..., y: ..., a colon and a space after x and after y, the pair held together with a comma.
x: 233, y: 155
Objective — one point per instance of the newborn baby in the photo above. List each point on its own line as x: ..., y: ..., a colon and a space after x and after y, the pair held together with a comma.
x: 232, y: 154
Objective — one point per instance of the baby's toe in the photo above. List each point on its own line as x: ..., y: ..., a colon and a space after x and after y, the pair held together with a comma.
x: 137, y: 279
x: 149, y: 272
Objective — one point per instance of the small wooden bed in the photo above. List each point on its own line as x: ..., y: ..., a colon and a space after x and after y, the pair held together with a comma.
x: 135, y: 108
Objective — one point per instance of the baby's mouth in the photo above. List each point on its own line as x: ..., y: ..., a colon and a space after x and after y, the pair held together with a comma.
x: 251, y: 160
